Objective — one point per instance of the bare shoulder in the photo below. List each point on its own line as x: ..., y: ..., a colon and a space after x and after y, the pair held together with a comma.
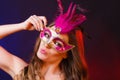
x: 10, y: 63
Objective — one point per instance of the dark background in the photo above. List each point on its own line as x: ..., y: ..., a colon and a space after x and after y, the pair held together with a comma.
x: 102, y: 52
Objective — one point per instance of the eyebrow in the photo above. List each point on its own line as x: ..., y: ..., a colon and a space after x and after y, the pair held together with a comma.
x: 64, y: 40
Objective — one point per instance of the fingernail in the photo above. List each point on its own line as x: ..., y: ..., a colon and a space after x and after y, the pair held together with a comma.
x: 41, y: 28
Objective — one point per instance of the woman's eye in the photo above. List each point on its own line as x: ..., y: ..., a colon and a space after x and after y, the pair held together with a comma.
x: 46, y: 34
x: 59, y: 44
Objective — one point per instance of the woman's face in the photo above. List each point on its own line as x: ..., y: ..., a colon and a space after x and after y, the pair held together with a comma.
x: 53, y: 46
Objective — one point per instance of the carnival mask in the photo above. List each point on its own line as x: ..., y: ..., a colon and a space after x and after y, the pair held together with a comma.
x: 52, y: 38
x: 65, y: 22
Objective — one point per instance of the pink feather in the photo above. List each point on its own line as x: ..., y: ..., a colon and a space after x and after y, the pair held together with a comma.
x: 69, y: 20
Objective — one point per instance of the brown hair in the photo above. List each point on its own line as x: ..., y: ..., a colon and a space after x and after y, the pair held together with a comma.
x: 30, y: 72
x: 73, y: 66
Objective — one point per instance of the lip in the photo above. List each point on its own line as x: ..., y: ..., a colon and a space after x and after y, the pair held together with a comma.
x: 43, y: 51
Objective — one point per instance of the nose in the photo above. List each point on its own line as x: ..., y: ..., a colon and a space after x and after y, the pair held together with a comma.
x: 47, y: 45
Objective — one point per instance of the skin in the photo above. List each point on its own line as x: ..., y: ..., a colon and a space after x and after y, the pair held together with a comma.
x: 32, y: 23
x: 8, y: 62
x: 45, y: 51
x: 51, y: 58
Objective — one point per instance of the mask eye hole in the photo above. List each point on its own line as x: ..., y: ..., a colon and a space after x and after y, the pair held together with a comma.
x: 58, y: 44
x: 47, y: 34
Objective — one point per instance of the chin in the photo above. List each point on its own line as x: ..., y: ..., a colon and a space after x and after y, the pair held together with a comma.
x: 41, y: 56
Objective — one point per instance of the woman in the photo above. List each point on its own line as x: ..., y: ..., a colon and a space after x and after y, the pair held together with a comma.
x: 58, y: 54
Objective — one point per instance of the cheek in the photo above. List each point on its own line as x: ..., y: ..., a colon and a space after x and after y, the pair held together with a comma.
x: 51, y: 55
x: 54, y: 55
x: 39, y: 54
x: 42, y: 43
x: 53, y: 51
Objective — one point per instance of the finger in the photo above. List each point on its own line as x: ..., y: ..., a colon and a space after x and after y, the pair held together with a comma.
x: 41, y: 24
x: 33, y: 22
x: 36, y: 22
x: 43, y: 18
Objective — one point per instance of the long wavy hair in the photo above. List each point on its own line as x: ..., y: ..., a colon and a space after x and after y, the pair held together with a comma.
x: 73, y: 67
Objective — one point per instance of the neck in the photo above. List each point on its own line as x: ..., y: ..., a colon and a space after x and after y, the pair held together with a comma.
x: 51, y: 68
x: 52, y: 71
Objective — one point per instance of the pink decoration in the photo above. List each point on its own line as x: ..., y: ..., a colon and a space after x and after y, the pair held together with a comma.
x: 66, y: 22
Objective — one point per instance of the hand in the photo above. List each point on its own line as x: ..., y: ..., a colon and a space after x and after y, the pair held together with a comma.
x: 35, y: 23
